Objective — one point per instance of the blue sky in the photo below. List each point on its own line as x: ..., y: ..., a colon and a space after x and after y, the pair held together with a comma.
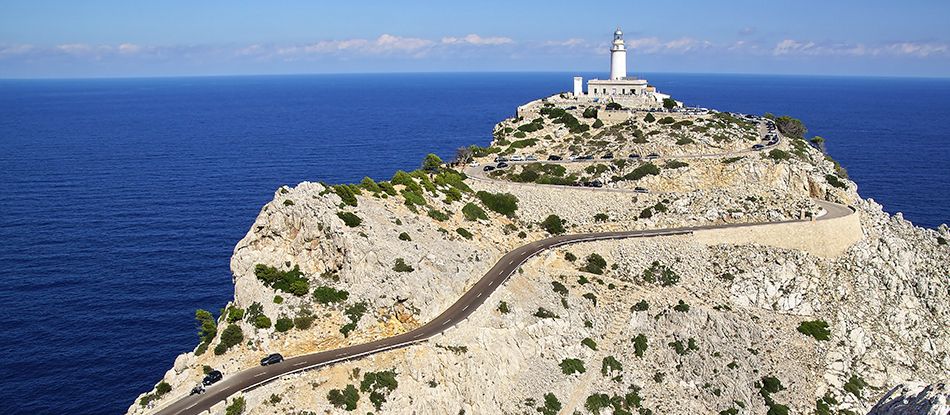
x: 40, y: 38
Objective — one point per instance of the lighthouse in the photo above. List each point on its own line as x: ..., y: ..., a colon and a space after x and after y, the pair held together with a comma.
x: 618, y: 57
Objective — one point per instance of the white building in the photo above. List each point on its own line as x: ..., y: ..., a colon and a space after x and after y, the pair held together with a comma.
x: 620, y: 87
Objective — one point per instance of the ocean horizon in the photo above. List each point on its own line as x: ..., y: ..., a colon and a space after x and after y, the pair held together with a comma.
x: 124, y: 197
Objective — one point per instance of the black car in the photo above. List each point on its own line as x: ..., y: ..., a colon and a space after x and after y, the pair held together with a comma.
x: 608, y: 156
x: 212, y: 377
x: 271, y: 359
x: 197, y: 390
x: 502, y: 165
x: 596, y: 183
x: 488, y: 168
x: 634, y: 156
x: 555, y: 158
x: 758, y: 147
x: 652, y: 156
x: 585, y: 158
x: 641, y: 189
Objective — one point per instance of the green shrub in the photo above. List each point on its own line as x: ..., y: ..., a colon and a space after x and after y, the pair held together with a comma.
x: 666, y: 120
x: 413, y: 198
x: 162, y: 388
x: 675, y: 164
x: 438, y: 215
x: 570, y: 257
x: 432, y: 162
x: 647, y: 169
x: 278, y: 299
x: 401, y: 266
x: 732, y: 160
x: 473, y: 212
x: 595, y: 264
x: 207, y: 327
x: 639, y: 345
x: 681, y: 306
x: 262, y: 322
x: 346, y: 193
x: 370, y: 185
x: 791, y: 127
x: 291, y: 281
x: 288, y: 202
x: 649, y: 118
x: 658, y: 273
x: 684, y: 141
x: 464, y: 233
x: 551, y: 405
x: 235, y: 314
x: 519, y: 134
x: 854, y: 385
x: 591, y: 297
x: 544, y: 313
x: 503, y: 203
x: 523, y: 143
x: 236, y: 407
x: 303, y: 322
x: 778, y: 155
x: 646, y: 213
x: 404, y: 237
x: 590, y: 112
x: 669, y: 103
x: 553, y: 224
x: 345, y: 399
x: 609, y: 365
x: 597, y: 124
x: 589, y: 342
x: 231, y: 336
x: 640, y: 306
x: 559, y: 288
x: 350, y: 219
x: 614, y: 106
x: 572, y: 366
x: 503, y: 307
x: 600, y: 217
x: 354, y: 313
x: 284, y: 324
x: 388, y: 188
x: 815, y: 328
x: 834, y: 181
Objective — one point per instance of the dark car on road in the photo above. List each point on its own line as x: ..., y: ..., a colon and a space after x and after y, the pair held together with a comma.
x: 271, y: 359
x: 585, y: 158
x: 652, y: 156
x: 758, y: 147
x: 608, y: 156
x: 197, y: 390
x: 641, y: 189
x: 212, y: 377
x: 555, y: 158
x: 634, y: 156
x: 502, y: 165
x: 488, y: 168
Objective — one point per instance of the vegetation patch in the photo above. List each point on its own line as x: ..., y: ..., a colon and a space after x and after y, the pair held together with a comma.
x: 354, y: 313
x: 350, y: 219
x: 438, y: 215
x: 379, y: 385
x: 344, y: 399
x: 230, y: 337
x: 291, y: 281
x: 329, y: 295
x: 778, y: 155
x: 639, y: 344
x: 854, y: 385
x: 660, y: 274
x: 647, y: 169
x: 609, y: 365
x: 595, y: 264
x: 464, y: 233
x: 473, y: 212
x: 675, y: 164
x: 590, y: 343
x: 731, y: 160
x: 544, y: 313
x: 835, y: 181
x: 815, y: 328
x: 572, y: 366
x: 503, y: 203
x: 553, y: 224
x: 401, y: 266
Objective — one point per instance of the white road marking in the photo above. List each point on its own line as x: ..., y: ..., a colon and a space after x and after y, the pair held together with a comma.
x: 447, y: 322
x: 466, y: 307
x: 260, y: 374
x: 479, y: 294
x: 300, y: 364
x: 418, y: 336
x: 511, y: 262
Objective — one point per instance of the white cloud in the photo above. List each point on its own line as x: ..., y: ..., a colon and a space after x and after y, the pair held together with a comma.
x: 792, y: 47
x: 473, y: 39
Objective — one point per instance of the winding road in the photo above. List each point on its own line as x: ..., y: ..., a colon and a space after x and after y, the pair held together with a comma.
x: 455, y: 314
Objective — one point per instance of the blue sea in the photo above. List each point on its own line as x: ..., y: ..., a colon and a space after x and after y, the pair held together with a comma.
x: 121, y: 199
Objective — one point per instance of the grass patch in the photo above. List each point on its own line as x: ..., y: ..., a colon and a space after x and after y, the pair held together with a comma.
x: 815, y: 328
x: 401, y: 266
x: 503, y: 203
x: 350, y: 219
x: 291, y: 281
x: 572, y: 366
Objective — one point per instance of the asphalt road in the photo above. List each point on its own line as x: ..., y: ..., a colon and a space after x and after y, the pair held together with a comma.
x: 456, y: 313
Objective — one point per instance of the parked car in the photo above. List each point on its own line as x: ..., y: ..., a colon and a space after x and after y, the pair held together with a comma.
x: 271, y: 359
x: 488, y: 168
x: 758, y: 147
x: 634, y: 156
x: 639, y: 189
x: 501, y: 165
x: 652, y: 156
x: 500, y: 159
x: 555, y: 158
x: 596, y: 183
x: 212, y: 377
x: 517, y: 158
x: 473, y: 164
x: 585, y: 158
x: 572, y: 157
x: 608, y: 156
x: 197, y: 390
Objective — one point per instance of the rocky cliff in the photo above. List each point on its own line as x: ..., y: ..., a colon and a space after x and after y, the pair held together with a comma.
x: 674, y: 324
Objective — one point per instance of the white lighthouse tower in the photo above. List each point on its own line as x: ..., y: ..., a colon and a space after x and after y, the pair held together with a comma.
x: 618, y: 57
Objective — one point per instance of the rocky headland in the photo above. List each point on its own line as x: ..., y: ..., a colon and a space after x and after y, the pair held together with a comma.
x: 840, y: 316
